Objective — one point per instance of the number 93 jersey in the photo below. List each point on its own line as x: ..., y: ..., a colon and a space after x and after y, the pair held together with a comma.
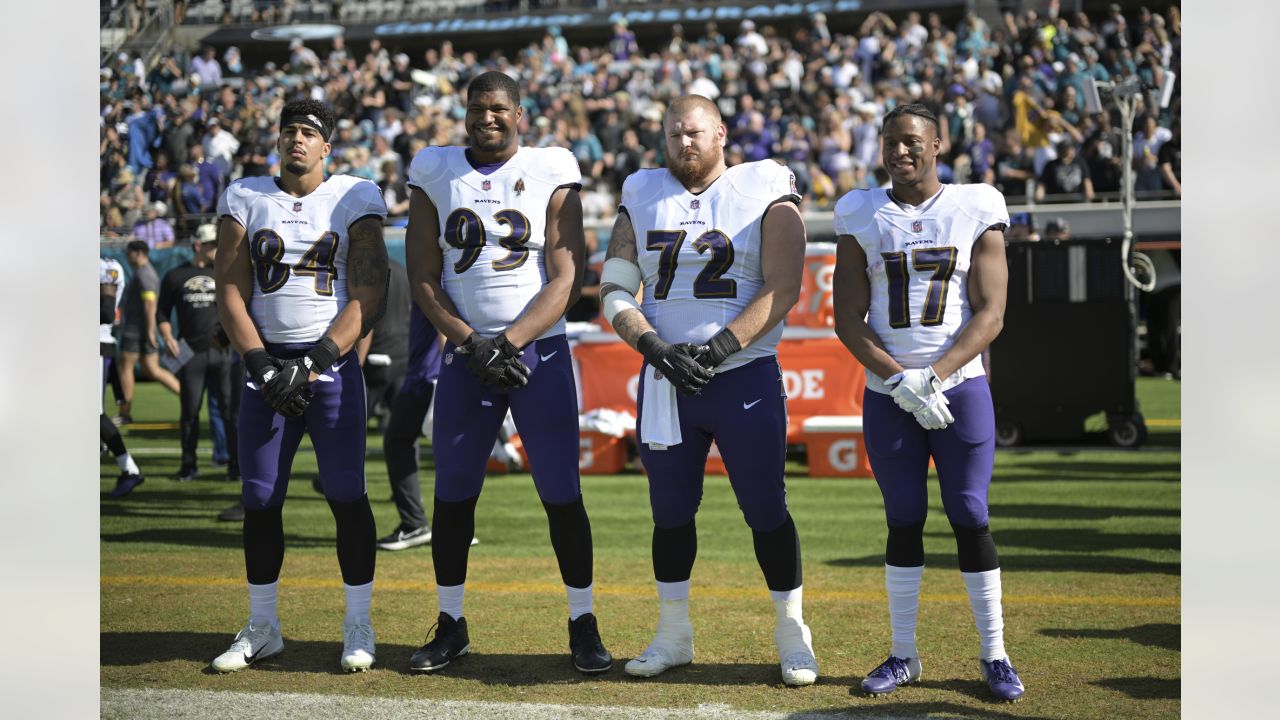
x: 298, y: 249
x: 700, y: 254
x: 918, y: 263
x: 493, y: 228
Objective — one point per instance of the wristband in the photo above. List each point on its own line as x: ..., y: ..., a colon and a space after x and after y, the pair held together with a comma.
x: 323, y: 355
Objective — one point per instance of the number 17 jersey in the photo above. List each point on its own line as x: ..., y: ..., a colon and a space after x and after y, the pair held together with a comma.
x: 918, y: 265
x: 493, y: 228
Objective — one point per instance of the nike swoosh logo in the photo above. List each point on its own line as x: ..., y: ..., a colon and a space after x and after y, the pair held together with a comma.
x: 496, y: 352
x: 338, y: 366
x: 545, y: 358
x: 748, y: 406
x: 293, y: 373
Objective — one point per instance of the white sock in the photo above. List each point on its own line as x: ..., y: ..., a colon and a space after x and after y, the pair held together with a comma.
x: 127, y: 464
x: 788, y: 603
x: 262, y: 603
x: 579, y: 601
x: 450, y: 599
x: 673, y: 590
x: 359, y: 598
x: 984, y: 599
x: 903, y: 586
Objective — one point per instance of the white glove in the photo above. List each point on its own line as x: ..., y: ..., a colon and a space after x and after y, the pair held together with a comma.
x: 935, y: 415
x: 913, y: 388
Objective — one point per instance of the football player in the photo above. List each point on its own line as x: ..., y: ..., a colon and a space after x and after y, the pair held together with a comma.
x: 720, y: 253
x: 301, y: 274
x: 919, y: 294
x: 495, y: 254
x: 110, y: 291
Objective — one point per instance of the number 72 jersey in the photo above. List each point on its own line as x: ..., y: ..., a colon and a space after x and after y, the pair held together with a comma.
x: 918, y: 264
x: 298, y: 249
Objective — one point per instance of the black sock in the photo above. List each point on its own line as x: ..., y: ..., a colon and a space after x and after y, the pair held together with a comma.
x: 778, y: 552
x: 263, y: 545
x: 905, y: 545
x: 976, y: 549
x: 110, y: 435
x: 674, y: 550
x: 571, y: 539
x: 453, y: 524
x: 357, y: 539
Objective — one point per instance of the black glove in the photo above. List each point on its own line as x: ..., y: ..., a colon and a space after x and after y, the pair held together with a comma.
x: 496, y: 362
x: 677, y: 363
x: 261, y: 366
x: 284, y: 391
x: 718, y: 349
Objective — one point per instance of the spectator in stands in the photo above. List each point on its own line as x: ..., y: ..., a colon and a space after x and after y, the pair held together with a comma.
x: 206, y: 67
x: 220, y: 147
x: 1057, y: 229
x: 208, y: 176
x: 623, y: 43
x: 1014, y: 166
x: 1146, y: 152
x: 1104, y: 153
x: 155, y: 231
x: 394, y: 192
x: 982, y: 156
x: 157, y: 183
x: 1065, y: 178
x: 1170, y: 159
x: 189, y: 201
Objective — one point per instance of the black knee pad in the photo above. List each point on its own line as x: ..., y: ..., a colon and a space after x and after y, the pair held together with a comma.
x: 453, y: 524
x: 905, y: 545
x: 976, y: 549
x: 263, y: 544
x: 778, y: 553
x: 674, y: 550
x: 570, y: 530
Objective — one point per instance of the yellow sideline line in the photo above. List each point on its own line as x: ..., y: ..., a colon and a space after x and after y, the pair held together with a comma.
x: 1164, y: 422
x: 635, y: 591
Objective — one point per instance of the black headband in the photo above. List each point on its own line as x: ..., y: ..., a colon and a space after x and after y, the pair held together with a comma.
x: 307, y: 119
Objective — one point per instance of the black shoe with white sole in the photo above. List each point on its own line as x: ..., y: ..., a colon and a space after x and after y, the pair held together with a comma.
x: 450, y: 642
x: 405, y: 537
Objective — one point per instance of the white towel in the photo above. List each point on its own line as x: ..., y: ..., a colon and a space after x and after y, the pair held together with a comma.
x: 660, y: 426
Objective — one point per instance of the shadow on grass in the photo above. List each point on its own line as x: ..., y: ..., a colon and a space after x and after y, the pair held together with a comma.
x: 1144, y: 688
x: 1067, y: 470
x: 221, y: 535
x: 1162, y: 635
x: 1040, y: 563
x: 892, y: 708
x: 127, y: 649
x: 1035, y: 511
x: 1086, y: 540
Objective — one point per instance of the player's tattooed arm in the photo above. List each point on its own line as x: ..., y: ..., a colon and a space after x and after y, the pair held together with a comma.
x: 629, y: 324
x: 425, y: 262
x: 233, y: 280
x: 851, y: 290
x: 367, y: 277
x: 564, y: 256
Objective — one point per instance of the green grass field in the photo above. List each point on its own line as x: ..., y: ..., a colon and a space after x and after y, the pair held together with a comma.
x: 1089, y: 542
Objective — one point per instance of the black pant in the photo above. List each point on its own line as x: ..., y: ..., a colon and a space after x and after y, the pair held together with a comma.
x: 382, y: 384
x: 400, y: 447
x: 206, y: 369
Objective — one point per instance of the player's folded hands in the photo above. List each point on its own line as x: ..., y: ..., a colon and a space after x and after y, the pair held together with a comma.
x: 934, y: 414
x: 913, y: 388
x: 677, y: 363
x: 495, y: 362
x: 285, y: 391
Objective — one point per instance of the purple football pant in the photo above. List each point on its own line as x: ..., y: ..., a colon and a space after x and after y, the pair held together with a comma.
x: 744, y: 410
x: 964, y: 453
x: 468, y: 415
x: 336, y: 421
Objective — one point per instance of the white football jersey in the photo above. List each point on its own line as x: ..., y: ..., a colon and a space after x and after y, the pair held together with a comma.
x: 493, y: 228
x: 110, y: 272
x: 918, y: 264
x: 700, y: 254
x: 298, y: 247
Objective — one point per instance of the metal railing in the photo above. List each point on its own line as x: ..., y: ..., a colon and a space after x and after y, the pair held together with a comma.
x: 154, y: 35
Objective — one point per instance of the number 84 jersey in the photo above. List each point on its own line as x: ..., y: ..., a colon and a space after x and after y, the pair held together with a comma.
x: 298, y: 248
x: 700, y: 254
x: 918, y: 263
x: 493, y: 228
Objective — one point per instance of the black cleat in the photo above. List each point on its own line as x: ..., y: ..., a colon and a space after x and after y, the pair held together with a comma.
x: 186, y: 473
x: 126, y: 483
x: 235, y: 513
x: 450, y: 642
x: 585, y: 647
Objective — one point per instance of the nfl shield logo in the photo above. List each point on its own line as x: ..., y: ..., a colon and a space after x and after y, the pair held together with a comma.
x: 486, y: 185
x: 916, y: 226
x: 448, y: 359
x: 695, y: 204
x: 297, y: 206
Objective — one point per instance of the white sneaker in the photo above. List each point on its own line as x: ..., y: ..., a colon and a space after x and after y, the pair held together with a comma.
x: 357, y: 647
x: 672, y: 645
x: 795, y: 653
x: 253, y: 643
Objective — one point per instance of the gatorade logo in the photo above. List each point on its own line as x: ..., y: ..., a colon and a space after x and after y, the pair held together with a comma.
x: 805, y: 384
x: 843, y: 455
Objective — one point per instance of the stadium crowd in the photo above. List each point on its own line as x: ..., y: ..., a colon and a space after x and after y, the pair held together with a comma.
x: 1011, y: 96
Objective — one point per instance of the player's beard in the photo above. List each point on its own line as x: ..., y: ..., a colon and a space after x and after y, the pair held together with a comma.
x: 296, y: 167
x: 694, y: 170
x: 491, y: 144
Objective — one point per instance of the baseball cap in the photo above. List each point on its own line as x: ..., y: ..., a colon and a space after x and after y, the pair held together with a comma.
x: 205, y: 233
x: 159, y: 207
